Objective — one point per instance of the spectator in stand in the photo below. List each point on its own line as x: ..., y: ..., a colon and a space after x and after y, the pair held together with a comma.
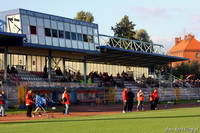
x: 13, y: 70
x: 112, y: 80
x: 45, y: 69
x: 66, y: 101
x: 118, y: 75
x: 100, y: 75
x: 58, y: 71
x: 143, y: 76
x: 89, y: 81
x: 123, y: 74
x: 140, y: 99
x: 78, y: 76
x: 2, y: 103
x: 124, y: 100
x: 8, y: 69
x: 90, y: 74
x: 29, y: 103
x: 67, y: 73
x: 73, y: 76
x: 156, y: 98
x: 130, y: 100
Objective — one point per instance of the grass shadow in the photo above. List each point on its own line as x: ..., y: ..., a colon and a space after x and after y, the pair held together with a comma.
x: 100, y: 119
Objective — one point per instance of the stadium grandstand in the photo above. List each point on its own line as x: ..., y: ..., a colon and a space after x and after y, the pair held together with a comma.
x: 46, y: 53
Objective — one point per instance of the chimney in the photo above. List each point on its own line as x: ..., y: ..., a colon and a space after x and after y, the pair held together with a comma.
x: 185, y: 37
x: 190, y: 36
x: 177, y: 40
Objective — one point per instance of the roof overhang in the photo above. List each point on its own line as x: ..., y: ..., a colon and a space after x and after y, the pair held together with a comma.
x: 105, y: 54
x: 119, y: 56
x: 11, y: 39
x: 71, y: 54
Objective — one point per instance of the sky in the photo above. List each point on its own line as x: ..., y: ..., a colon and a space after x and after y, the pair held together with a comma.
x: 162, y: 19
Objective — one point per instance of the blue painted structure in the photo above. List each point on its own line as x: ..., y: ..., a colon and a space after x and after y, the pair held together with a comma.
x: 93, y: 52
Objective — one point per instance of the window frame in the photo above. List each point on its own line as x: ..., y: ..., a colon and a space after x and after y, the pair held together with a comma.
x: 48, y: 34
x: 59, y: 34
x: 73, y: 36
x: 54, y: 33
x: 79, y: 37
x: 67, y: 35
x: 33, y: 30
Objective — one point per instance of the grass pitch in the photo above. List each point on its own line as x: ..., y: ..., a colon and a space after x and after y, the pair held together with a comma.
x: 184, y: 120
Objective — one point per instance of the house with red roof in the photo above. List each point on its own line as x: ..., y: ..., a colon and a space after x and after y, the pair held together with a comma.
x: 188, y: 47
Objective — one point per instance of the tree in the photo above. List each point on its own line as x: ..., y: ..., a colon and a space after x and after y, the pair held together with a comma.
x: 142, y: 35
x: 124, y: 29
x: 85, y: 16
x: 185, y: 69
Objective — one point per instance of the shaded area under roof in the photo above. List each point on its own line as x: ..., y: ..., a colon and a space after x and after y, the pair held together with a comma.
x: 11, y: 39
x: 61, y: 89
x: 119, y: 56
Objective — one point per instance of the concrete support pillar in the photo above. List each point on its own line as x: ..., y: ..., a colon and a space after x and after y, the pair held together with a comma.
x: 49, y: 65
x: 85, y: 71
x: 170, y: 75
x: 26, y: 63
x: 63, y: 65
x: 5, y: 63
x: 45, y: 60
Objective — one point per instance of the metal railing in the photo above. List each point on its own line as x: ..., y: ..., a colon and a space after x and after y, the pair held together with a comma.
x: 129, y: 44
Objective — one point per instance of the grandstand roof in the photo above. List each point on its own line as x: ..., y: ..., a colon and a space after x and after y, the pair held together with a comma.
x: 105, y: 55
x: 119, y: 56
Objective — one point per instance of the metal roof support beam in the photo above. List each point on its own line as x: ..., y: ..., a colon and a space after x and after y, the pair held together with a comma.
x: 49, y: 65
x: 85, y: 70
x: 56, y: 62
x: 64, y: 67
x: 5, y: 63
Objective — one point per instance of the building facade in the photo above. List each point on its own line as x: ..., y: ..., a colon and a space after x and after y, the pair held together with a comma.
x: 45, y: 29
x: 188, y: 47
x: 52, y: 31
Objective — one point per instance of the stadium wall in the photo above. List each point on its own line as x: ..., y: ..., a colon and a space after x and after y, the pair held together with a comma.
x: 108, y: 95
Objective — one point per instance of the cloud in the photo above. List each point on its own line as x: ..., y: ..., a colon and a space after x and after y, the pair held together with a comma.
x: 155, y: 12
x: 195, y: 28
x: 195, y: 19
x: 178, y: 10
x: 158, y: 12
